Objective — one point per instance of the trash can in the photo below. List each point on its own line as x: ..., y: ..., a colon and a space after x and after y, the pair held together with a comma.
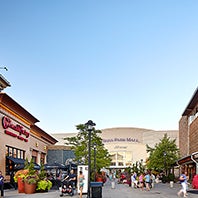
x: 96, y: 189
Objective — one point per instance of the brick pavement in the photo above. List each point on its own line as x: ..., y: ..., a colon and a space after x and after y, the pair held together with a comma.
x: 121, y: 191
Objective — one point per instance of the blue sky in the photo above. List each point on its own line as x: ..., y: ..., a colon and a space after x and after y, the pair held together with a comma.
x: 118, y: 63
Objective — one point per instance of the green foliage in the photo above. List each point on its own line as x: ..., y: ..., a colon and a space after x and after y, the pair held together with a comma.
x: 30, y: 166
x: 42, y: 173
x: 138, y: 167
x: 32, y: 176
x: 164, y: 155
x: 44, y: 185
x: 171, y: 177
x: 79, y: 146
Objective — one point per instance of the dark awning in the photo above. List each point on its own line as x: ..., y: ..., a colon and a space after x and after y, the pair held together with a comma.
x: 20, y: 163
x: 54, y: 165
x: 16, y: 160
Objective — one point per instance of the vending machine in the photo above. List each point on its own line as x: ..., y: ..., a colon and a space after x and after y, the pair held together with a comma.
x: 84, y: 169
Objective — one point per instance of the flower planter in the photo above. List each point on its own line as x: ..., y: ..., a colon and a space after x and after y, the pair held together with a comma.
x: 21, y: 185
x: 30, y: 188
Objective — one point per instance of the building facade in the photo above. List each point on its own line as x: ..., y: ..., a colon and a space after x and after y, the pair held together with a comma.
x: 20, y: 138
x: 188, y: 135
x: 126, y: 145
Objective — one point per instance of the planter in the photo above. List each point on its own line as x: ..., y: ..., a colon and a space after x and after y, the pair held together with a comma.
x: 30, y: 188
x: 21, y: 185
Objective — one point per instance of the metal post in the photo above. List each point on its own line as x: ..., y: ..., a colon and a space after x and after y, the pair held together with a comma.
x: 195, y: 155
x: 94, y: 162
x: 90, y: 126
x: 89, y: 163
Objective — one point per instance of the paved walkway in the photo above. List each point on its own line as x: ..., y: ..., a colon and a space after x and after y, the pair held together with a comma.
x: 120, y: 191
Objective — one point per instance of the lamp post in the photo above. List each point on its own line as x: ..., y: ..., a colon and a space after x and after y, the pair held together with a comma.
x: 89, y: 126
x: 94, y: 146
x: 4, y: 68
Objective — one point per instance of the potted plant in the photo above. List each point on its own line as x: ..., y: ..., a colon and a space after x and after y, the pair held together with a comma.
x: 19, y: 178
x: 43, y: 183
x: 31, y: 178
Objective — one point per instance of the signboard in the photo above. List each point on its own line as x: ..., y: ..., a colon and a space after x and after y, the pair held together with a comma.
x: 84, y: 169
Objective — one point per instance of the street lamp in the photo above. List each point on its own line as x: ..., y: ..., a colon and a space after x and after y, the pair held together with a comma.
x: 94, y: 146
x: 4, y: 68
x: 90, y: 124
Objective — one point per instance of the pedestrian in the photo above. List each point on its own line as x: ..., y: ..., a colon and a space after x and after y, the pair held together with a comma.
x: 81, y: 182
x: 147, y: 181
x: 72, y: 178
x: 152, y: 180
x: 134, y: 180
x: 2, y: 184
x: 141, y: 181
x: 183, y: 182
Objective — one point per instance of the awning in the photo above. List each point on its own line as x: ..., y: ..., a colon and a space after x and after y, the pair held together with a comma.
x: 187, y: 160
x: 19, y: 163
x: 54, y: 165
x: 16, y: 160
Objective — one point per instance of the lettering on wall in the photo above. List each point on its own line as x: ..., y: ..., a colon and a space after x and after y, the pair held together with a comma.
x: 129, y: 139
x: 22, y: 133
x: 120, y: 147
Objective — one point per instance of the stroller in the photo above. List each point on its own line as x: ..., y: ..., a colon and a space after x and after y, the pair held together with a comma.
x: 66, y: 188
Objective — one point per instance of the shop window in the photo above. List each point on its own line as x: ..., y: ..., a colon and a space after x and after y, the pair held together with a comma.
x: 113, y: 163
x: 15, y: 153
x: 120, y: 164
x: 34, y: 156
x: 42, y: 160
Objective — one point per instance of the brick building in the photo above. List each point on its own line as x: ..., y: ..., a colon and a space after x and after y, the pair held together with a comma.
x: 188, y: 136
x: 20, y: 138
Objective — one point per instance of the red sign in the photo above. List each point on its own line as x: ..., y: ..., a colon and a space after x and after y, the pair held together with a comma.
x: 7, y: 123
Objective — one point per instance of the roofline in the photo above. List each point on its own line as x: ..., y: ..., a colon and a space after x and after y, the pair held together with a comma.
x: 11, y: 104
x: 191, y: 103
x: 44, y: 135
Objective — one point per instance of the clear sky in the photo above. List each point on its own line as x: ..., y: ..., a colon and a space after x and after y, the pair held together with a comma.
x: 126, y: 63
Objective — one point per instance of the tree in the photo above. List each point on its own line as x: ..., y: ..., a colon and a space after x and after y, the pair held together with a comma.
x: 79, y: 144
x: 163, y: 156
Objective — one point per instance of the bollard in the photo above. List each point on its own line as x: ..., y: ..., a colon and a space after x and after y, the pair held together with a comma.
x: 171, y: 184
x: 113, y: 184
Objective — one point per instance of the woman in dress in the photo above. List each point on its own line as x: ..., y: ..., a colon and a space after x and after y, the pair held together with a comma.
x: 81, y: 182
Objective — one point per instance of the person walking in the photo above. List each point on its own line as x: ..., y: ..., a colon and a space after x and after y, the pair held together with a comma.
x: 134, y: 180
x: 141, y: 181
x: 147, y: 181
x: 81, y: 182
x: 183, y: 182
x: 2, y: 184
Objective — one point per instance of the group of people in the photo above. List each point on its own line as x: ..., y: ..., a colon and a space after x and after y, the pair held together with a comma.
x: 143, y: 181
x: 71, y: 179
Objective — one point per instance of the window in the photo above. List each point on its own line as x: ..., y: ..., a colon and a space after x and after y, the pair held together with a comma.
x: 42, y: 160
x: 15, y: 153
x: 34, y: 156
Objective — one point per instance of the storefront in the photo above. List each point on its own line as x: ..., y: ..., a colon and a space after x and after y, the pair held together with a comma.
x: 20, y: 138
x: 188, y: 135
